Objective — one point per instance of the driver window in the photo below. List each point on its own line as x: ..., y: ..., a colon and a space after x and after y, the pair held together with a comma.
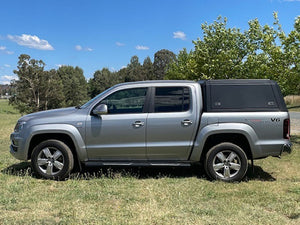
x: 126, y: 101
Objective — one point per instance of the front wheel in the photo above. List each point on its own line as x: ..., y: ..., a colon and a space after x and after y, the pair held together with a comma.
x: 52, y: 159
x: 226, y: 162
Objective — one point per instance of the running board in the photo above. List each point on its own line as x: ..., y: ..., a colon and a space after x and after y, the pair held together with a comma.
x: 130, y: 163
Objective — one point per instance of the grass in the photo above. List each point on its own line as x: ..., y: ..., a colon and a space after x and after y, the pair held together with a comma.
x: 293, y: 102
x: 146, y: 196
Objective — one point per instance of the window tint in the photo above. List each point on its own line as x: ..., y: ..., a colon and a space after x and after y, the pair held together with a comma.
x: 242, y: 97
x: 126, y: 101
x: 171, y: 99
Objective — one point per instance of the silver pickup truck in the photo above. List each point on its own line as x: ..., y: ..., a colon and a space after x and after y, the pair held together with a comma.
x: 222, y: 124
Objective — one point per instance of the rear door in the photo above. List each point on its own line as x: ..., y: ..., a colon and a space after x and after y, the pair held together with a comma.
x: 171, y: 123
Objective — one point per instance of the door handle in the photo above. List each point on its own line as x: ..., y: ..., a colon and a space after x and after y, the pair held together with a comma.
x: 138, y: 124
x: 186, y: 123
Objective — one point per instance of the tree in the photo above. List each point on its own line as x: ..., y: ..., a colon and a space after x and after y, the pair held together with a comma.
x: 134, y: 70
x: 147, y: 72
x: 74, y: 85
x: 291, y: 48
x: 162, y: 60
x: 53, y: 90
x: 180, y: 68
x: 35, y: 89
x: 29, y: 86
x: 218, y: 56
x: 102, y: 80
x: 261, y: 52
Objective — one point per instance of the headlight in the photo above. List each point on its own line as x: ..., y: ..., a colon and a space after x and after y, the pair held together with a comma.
x: 19, y: 126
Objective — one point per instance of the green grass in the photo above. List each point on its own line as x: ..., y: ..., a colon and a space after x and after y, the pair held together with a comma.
x: 146, y: 196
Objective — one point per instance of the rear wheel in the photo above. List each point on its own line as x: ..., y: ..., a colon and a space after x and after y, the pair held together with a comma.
x: 52, y: 159
x: 226, y: 162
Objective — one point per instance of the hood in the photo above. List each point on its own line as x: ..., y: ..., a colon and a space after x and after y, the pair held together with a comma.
x: 49, y: 113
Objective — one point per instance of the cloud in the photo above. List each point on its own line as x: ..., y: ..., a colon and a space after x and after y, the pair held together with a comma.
x: 5, y: 82
x: 6, y: 65
x: 291, y: 0
x: 86, y: 49
x: 4, y: 50
x: 30, y: 41
x: 78, y: 47
x: 6, y: 79
x: 141, y: 47
x: 119, y: 44
x: 180, y: 35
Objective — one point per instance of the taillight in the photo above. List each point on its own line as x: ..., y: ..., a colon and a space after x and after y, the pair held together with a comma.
x: 286, y: 129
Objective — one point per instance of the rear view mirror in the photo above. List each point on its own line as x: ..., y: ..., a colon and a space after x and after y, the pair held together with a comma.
x: 100, y: 110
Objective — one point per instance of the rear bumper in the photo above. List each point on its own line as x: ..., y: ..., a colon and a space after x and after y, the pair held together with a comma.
x: 286, y: 149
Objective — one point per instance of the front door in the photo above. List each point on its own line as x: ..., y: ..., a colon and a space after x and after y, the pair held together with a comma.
x: 120, y: 134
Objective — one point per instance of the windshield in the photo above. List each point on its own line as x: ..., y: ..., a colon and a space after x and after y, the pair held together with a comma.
x: 93, y: 99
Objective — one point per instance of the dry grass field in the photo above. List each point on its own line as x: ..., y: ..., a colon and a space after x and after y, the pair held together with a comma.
x: 147, y: 196
x: 293, y: 102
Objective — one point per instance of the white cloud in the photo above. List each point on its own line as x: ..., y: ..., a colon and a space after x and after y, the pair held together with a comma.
x: 6, y: 65
x: 141, y: 47
x: 291, y: 0
x: 86, y: 49
x: 119, y: 44
x: 5, y: 82
x: 179, y: 34
x: 6, y: 79
x: 78, y: 47
x: 30, y: 41
x: 4, y: 50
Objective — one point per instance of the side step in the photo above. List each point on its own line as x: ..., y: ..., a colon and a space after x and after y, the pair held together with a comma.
x: 136, y: 163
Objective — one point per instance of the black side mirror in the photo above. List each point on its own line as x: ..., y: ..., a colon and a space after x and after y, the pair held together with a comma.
x: 100, y: 110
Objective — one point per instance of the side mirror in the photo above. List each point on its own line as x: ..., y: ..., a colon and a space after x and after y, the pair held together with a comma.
x: 100, y: 110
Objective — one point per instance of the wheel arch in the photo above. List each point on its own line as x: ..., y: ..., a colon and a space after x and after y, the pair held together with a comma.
x: 234, y: 138
x: 62, y: 132
x: 240, y: 134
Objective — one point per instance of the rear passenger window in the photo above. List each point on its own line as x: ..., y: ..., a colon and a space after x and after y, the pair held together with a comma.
x: 171, y: 99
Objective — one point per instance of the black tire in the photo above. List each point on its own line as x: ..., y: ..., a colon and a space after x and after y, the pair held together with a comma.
x: 226, y: 162
x: 52, y: 159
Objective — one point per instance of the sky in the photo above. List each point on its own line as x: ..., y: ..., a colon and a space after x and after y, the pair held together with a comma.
x: 94, y: 34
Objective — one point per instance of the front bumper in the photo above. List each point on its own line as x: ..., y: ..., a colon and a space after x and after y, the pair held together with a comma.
x: 17, y: 147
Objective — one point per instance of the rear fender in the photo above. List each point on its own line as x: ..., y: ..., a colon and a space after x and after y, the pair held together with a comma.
x: 237, y: 128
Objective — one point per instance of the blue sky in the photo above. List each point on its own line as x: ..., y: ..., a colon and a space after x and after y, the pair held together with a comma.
x: 93, y: 34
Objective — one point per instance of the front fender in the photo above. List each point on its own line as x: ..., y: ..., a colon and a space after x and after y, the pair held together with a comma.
x: 67, y: 129
x: 222, y: 128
